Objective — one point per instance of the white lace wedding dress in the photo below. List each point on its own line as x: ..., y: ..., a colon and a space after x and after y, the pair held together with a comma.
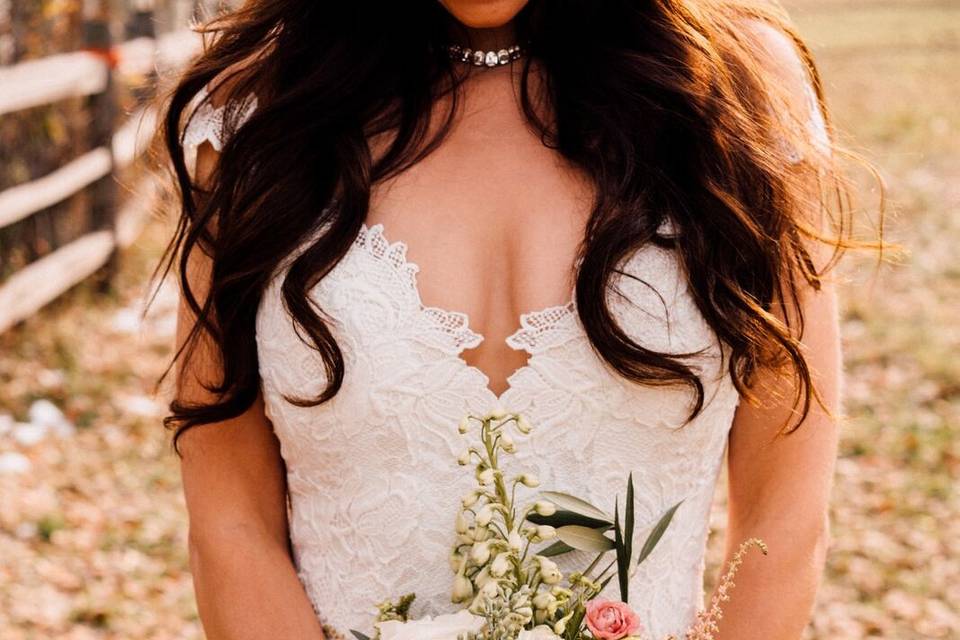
x: 373, y: 477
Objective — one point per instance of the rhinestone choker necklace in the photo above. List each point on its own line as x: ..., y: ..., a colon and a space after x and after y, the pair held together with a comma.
x: 481, y: 58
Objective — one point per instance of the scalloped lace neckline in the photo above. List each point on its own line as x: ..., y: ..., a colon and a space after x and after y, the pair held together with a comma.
x: 538, y: 329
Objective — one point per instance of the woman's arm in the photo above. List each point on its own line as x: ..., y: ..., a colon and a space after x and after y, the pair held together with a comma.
x: 235, y: 489
x: 779, y: 487
x: 779, y: 491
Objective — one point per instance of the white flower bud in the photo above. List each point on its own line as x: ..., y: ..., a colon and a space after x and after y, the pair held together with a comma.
x: 456, y: 559
x: 523, y: 425
x: 525, y: 613
x: 497, y: 413
x: 506, y: 443
x: 470, y: 499
x: 560, y: 626
x: 462, y: 524
x: 480, y: 553
x: 515, y: 540
x: 462, y: 589
x: 501, y: 564
x: 549, y: 571
x: 529, y: 480
x: 481, y: 533
x: 544, y: 599
x: 485, y: 476
x: 464, y: 458
x: 490, y: 590
x: 546, y: 532
x: 544, y: 507
x: 482, y: 577
x: 464, y: 425
x: 485, y: 515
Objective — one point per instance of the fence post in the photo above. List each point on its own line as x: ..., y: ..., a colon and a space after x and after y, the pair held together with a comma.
x: 141, y: 23
x: 103, y: 110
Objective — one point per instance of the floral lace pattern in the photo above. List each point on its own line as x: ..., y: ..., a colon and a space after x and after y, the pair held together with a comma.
x: 372, y: 474
x: 373, y: 477
x: 207, y: 123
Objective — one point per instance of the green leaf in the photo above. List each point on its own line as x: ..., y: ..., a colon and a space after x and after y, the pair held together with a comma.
x: 562, y: 517
x: 557, y: 548
x: 358, y: 635
x: 584, y: 538
x: 657, y: 532
x: 575, y: 624
x: 577, y: 505
x: 622, y: 564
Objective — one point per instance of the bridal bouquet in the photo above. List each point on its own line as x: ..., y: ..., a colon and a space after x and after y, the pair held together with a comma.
x: 510, y: 590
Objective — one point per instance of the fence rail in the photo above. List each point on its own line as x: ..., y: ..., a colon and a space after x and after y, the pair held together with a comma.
x: 42, y: 281
x: 82, y: 74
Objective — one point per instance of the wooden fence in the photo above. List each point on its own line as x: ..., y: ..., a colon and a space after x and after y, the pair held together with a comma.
x: 92, y: 74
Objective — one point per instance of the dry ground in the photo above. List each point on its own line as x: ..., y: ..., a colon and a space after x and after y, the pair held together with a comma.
x: 92, y: 535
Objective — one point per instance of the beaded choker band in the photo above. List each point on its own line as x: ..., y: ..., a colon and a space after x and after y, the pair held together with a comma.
x: 481, y: 58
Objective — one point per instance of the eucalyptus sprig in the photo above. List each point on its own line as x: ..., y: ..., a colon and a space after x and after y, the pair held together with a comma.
x: 583, y: 526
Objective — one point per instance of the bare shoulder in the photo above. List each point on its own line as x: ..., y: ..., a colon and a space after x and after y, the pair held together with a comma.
x: 779, y: 53
x: 789, y: 80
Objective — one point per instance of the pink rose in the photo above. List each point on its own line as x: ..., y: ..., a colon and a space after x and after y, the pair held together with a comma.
x: 611, y: 620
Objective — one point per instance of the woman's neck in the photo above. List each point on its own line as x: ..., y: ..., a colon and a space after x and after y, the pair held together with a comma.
x: 486, y: 39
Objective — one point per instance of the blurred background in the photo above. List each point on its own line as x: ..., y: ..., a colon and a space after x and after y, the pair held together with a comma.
x: 92, y: 521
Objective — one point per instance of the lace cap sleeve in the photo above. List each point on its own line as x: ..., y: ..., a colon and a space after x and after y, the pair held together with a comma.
x: 208, y: 123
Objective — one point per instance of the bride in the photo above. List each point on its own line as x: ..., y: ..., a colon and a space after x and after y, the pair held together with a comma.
x: 607, y: 216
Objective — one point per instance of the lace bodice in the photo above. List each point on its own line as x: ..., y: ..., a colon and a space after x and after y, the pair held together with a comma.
x: 372, y: 474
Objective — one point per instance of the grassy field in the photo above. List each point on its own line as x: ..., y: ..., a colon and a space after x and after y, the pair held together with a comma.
x: 92, y: 536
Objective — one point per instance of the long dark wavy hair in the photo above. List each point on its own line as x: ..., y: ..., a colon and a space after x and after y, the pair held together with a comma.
x: 662, y: 103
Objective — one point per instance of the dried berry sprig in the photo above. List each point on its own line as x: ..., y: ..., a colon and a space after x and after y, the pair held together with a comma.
x: 706, y: 624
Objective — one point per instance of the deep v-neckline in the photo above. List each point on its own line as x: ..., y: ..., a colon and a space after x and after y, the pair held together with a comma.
x: 533, y: 325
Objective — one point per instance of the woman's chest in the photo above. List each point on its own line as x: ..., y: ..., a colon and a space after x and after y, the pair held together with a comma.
x: 493, y: 220
x: 404, y: 375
